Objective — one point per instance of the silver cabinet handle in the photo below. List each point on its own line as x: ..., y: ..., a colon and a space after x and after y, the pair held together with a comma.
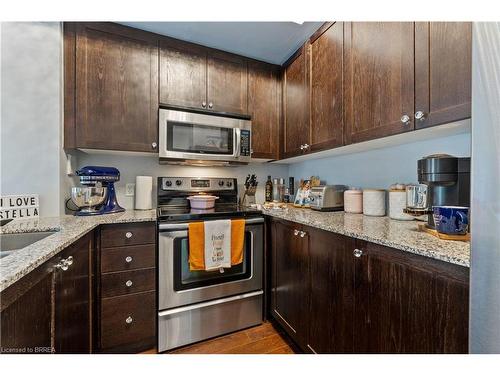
x: 154, y: 145
x: 128, y: 259
x: 302, y: 234
x: 64, y: 263
x: 129, y: 283
x: 128, y: 234
x: 306, y: 146
x: 295, y: 232
x: 420, y: 116
x: 405, y: 119
x: 129, y: 320
x: 301, y: 147
x: 210, y: 105
x: 357, y: 253
x: 203, y: 104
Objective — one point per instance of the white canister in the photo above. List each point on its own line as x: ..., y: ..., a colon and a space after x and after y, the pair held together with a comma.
x: 397, y: 203
x: 143, y: 193
x: 374, y: 202
x: 353, y: 201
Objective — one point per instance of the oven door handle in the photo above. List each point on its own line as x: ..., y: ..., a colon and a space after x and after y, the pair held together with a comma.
x: 209, y: 303
x: 184, y: 226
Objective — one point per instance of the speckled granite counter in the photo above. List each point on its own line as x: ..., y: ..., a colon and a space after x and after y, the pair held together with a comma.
x: 402, y: 235
x: 68, y: 230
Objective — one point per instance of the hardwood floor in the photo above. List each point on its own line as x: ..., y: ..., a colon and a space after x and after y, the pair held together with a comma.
x: 263, y: 339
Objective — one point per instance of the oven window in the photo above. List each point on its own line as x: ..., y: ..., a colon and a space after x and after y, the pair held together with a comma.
x: 199, y: 139
x: 186, y: 279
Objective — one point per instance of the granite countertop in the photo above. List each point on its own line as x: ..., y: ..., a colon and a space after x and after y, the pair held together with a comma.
x: 402, y: 235
x: 67, y: 229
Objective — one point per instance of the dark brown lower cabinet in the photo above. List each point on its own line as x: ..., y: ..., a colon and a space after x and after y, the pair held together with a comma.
x: 335, y: 294
x: 331, y: 304
x: 406, y: 303
x: 73, y: 328
x: 48, y: 310
x: 290, y: 264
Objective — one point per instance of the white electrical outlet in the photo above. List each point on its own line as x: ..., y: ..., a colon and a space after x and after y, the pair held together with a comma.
x: 129, y: 190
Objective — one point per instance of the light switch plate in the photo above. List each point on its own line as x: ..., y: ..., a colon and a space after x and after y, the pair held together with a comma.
x: 129, y: 190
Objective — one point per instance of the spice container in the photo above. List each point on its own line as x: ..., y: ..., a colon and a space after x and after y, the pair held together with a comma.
x: 353, y: 201
x: 374, y: 202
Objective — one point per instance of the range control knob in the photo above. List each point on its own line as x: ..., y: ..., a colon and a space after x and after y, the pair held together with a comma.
x: 221, y: 183
x: 178, y: 182
x: 168, y: 183
x: 229, y: 183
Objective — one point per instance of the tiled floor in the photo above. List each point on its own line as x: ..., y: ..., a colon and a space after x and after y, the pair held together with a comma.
x: 263, y: 339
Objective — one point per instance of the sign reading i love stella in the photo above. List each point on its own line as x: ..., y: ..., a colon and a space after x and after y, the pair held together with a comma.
x: 19, y: 206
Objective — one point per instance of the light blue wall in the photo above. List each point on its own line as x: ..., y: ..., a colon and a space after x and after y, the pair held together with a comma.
x: 380, y: 168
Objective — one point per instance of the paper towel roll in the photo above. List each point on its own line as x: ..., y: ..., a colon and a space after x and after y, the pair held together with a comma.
x: 143, y: 193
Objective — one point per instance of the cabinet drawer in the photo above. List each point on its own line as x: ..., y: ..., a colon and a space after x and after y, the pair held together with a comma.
x: 128, y: 320
x: 128, y: 234
x: 127, y: 258
x: 127, y: 282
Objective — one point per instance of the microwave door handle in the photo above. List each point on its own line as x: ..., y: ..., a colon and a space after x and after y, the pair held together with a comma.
x: 237, y: 144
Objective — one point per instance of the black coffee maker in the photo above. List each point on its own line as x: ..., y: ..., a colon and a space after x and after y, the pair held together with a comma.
x: 448, y: 180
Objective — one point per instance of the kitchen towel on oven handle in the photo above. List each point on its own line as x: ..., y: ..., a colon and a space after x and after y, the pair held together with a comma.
x: 196, y: 235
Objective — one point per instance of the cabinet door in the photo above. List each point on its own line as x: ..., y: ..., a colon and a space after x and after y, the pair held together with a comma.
x: 26, y: 314
x: 326, y: 91
x: 73, y: 299
x: 443, y: 54
x: 264, y: 108
x: 183, y: 74
x: 295, y: 106
x: 116, y: 88
x: 227, y: 83
x: 331, y: 292
x: 406, y: 303
x: 290, y: 280
x: 379, y: 79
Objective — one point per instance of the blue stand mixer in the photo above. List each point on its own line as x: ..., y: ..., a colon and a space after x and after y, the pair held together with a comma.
x: 98, y: 196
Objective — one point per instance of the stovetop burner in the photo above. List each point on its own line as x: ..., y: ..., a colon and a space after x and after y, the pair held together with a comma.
x: 173, y: 204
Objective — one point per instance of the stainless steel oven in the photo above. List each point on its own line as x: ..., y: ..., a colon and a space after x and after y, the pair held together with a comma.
x: 196, y: 305
x: 200, y: 139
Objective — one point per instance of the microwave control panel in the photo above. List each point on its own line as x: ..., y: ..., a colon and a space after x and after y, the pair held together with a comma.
x: 245, y: 143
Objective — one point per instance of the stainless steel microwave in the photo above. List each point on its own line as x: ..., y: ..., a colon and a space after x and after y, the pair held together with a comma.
x: 200, y: 139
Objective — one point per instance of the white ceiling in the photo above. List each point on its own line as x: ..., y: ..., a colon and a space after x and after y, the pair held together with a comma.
x: 273, y: 42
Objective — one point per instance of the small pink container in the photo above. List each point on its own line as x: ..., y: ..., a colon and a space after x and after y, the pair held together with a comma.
x: 202, y: 202
x: 353, y: 201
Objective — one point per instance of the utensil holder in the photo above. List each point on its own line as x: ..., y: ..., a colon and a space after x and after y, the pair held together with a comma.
x: 249, y: 196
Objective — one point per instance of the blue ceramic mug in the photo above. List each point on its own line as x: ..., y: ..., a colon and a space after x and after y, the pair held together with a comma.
x: 451, y: 219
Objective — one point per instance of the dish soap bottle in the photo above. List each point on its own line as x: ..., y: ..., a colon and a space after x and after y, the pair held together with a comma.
x: 269, y: 189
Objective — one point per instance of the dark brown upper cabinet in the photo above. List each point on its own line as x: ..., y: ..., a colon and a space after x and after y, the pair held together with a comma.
x: 326, y: 90
x: 264, y: 102
x: 226, y: 83
x: 443, y: 54
x: 295, y: 105
x: 183, y: 74
x: 192, y: 76
x: 379, y: 79
x: 116, y: 88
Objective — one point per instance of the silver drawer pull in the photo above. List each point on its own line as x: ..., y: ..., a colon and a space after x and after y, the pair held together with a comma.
x: 128, y: 234
x: 128, y: 259
x: 302, y: 234
x: 129, y: 283
x: 129, y: 320
x: 295, y: 232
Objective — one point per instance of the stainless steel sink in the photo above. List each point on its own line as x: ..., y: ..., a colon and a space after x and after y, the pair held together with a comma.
x: 15, y: 241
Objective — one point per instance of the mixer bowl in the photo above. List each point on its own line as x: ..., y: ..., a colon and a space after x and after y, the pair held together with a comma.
x: 88, y: 197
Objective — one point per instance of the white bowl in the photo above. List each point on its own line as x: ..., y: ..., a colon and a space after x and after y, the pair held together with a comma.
x: 202, y: 202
